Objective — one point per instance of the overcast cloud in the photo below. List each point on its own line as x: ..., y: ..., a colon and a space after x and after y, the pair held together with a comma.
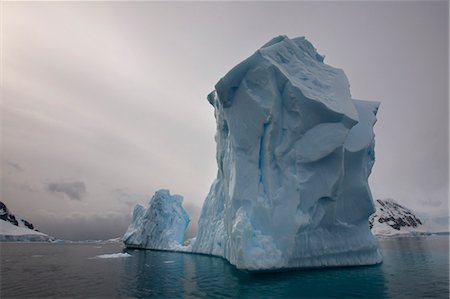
x: 72, y: 190
x: 103, y: 103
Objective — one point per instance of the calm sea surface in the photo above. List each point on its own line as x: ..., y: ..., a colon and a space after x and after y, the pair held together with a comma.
x: 413, y: 267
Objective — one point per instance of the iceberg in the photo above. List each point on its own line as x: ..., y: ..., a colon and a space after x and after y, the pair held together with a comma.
x: 294, y: 153
x: 161, y: 226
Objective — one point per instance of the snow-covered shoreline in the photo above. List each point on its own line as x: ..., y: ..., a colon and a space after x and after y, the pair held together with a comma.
x: 412, y: 235
x: 16, y: 229
x: 12, y: 233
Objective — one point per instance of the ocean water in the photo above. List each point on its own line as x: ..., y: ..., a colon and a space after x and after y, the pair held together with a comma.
x: 413, y: 267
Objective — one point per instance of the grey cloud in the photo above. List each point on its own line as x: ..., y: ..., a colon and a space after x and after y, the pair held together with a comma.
x: 14, y: 166
x: 27, y: 188
x: 127, y: 198
x: 73, y: 190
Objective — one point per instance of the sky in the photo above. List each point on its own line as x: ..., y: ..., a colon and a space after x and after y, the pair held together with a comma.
x: 103, y: 103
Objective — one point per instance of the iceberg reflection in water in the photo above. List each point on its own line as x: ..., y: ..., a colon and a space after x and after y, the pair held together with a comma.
x: 149, y: 274
x: 413, y: 267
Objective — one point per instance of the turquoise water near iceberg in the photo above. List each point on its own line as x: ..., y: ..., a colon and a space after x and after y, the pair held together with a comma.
x: 413, y: 267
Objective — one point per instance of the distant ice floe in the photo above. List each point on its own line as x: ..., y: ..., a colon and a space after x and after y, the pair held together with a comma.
x: 112, y: 256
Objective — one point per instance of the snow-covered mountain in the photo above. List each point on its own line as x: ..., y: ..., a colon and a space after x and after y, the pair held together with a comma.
x: 391, y: 218
x: 14, y: 228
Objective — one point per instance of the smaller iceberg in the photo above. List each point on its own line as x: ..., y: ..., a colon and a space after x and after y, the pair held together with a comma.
x: 161, y: 226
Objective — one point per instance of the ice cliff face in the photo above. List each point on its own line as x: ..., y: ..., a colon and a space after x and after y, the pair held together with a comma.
x: 294, y: 153
x: 161, y: 226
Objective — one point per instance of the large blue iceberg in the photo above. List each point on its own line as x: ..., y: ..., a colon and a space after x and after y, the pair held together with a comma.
x: 294, y: 153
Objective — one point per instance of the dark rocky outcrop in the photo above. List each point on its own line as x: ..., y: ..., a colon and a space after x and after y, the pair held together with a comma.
x: 6, y: 215
x: 391, y: 213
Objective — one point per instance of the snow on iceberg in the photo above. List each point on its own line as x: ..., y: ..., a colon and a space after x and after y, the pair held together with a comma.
x: 294, y: 152
x: 161, y: 226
